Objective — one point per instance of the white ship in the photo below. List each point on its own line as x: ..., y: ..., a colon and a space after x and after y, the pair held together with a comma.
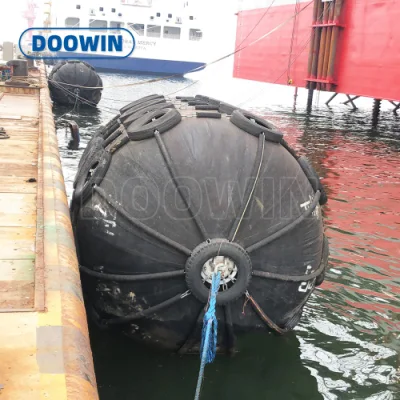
x: 168, y: 34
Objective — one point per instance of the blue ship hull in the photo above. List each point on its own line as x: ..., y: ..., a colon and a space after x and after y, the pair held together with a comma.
x: 136, y: 65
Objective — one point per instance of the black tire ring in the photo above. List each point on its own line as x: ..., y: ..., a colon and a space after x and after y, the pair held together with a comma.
x: 289, y: 149
x: 140, y: 107
x: 243, y: 120
x: 324, y: 260
x: 209, y: 100
x: 84, y: 186
x: 111, y: 128
x: 93, y: 147
x: 226, y: 108
x: 133, y: 117
x: 113, y: 136
x: 202, y: 253
x: 313, y: 178
x: 140, y: 101
x: 144, y: 127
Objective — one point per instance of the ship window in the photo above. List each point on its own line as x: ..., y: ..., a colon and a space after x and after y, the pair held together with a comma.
x: 191, y: 18
x: 119, y: 14
x: 169, y: 15
x: 195, y: 34
x: 154, y: 30
x: 101, y: 8
x: 97, y: 23
x: 116, y: 24
x: 78, y: 7
x: 158, y: 14
x: 137, y: 28
x: 72, y: 22
x: 113, y: 10
x: 172, y: 32
x: 151, y: 17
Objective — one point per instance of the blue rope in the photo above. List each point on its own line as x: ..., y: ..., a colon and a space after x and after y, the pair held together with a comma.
x: 209, y: 338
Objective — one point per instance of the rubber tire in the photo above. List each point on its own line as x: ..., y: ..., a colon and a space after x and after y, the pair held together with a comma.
x: 289, y: 149
x: 205, y: 114
x: 133, y: 117
x: 209, y: 100
x: 243, y: 120
x: 113, y: 136
x: 95, y: 145
x: 203, y: 253
x: 111, y: 129
x: 84, y: 186
x: 226, y: 108
x: 144, y: 127
x: 324, y: 260
x: 140, y: 107
x: 209, y: 107
x: 139, y: 101
x: 313, y: 178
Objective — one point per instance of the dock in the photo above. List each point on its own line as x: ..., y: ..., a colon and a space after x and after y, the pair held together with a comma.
x: 45, y: 349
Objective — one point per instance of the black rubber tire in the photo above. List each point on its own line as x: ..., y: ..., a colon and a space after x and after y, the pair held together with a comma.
x: 209, y: 100
x: 205, y: 114
x: 99, y: 131
x: 254, y: 125
x: 133, y: 117
x: 111, y: 129
x: 314, y: 179
x: 140, y: 107
x: 139, y: 101
x: 325, y: 261
x: 112, y: 121
x: 144, y: 127
x: 207, y: 107
x: 202, y: 253
x: 113, y: 136
x: 94, y: 145
x: 100, y: 163
x: 185, y: 98
x: 289, y: 149
x: 226, y: 108
x: 197, y: 103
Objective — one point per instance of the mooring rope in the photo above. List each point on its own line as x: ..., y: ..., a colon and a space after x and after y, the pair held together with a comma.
x: 209, y: 337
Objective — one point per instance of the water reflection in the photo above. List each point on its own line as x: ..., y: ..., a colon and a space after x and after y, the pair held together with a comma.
x: 347, y: 345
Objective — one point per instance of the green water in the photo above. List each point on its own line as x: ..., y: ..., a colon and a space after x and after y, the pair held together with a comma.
x: 347, y: 344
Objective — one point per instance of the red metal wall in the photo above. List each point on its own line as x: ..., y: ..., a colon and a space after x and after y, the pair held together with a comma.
x: 368, y: 57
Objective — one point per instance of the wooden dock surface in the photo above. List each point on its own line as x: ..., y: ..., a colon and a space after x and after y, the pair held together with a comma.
x: 44, y: 342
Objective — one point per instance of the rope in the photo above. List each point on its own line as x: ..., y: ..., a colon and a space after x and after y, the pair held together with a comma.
x: 256, y: 172
x: 145, y: 313
x: 288, y: 227
x: 130, y: 277
x: 209, y: 334
x: 173, y: 173
x: 264, y: 316
x: 144, y: 228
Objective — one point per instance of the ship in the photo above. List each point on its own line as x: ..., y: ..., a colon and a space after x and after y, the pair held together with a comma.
x: 168, y: 38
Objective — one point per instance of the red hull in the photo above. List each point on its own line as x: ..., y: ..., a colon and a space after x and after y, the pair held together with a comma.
x: 368, y: 55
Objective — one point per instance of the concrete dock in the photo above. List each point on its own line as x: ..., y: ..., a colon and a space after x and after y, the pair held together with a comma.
x: 44, y: 342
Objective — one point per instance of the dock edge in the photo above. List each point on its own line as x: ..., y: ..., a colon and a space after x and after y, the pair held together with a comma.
x: 64, y: 317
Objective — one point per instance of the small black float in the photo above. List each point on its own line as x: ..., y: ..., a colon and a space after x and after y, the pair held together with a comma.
x: 68, y: 80
x: 165, y: 195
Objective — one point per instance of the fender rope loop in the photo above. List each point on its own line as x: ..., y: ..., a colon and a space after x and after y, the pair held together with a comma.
x: 209, y: 338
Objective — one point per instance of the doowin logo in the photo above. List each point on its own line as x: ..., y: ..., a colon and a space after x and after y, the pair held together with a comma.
x: 59, y: 43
